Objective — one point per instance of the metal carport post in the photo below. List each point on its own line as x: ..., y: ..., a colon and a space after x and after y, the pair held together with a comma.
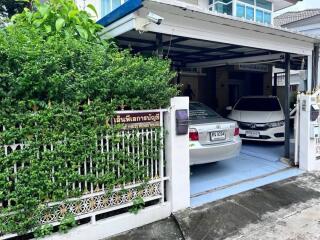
x: 287, y: 105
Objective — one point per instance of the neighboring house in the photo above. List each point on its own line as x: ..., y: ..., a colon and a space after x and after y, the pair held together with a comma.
x: 307, y: 22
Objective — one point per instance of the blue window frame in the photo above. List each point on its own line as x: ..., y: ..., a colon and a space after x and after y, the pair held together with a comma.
x: 253, y: 10
x: 259, y: 16
x: 249, y: 13
x: 267, y: 17
x: 241, y: 10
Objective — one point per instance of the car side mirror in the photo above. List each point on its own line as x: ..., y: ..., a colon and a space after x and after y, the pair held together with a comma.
x: 229, y: 108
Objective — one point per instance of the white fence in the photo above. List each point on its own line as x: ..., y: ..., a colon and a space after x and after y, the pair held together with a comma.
x: 167, y: 189
x: 98, y: 199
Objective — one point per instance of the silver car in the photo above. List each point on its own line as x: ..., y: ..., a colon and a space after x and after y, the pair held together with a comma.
x: 212, y: 137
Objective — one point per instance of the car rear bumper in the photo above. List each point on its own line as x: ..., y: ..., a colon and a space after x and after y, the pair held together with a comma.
x: 269, y: 135
x: 201, y: 154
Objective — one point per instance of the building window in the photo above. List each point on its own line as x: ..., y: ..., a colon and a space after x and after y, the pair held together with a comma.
x: 259, y: 16
x: 255, y: 10
x: 267, y: 17
x: 221, y: 6
x: 264, y: 4
x: 241, y: 11
x: 250, y: 13
x: 108, y: 6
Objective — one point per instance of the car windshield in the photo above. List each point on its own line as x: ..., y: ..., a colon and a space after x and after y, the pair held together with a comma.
x: 199, y: 111
x: 258, y: 104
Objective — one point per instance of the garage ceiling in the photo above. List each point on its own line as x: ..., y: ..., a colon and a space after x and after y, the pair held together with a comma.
x: 184, y: 51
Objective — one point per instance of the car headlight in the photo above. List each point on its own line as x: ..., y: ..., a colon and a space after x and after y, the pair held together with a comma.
x: 276, y: 124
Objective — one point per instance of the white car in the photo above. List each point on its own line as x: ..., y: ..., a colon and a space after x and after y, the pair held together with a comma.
x: 259, y: 118
x: 212, y: 138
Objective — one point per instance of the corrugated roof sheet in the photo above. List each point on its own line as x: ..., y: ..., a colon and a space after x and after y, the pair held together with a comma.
x: 291, y: 17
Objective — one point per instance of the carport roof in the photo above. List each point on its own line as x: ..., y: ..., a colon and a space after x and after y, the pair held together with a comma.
x: 133, y: 5
x: 193, y: 35
x: 187, y: 51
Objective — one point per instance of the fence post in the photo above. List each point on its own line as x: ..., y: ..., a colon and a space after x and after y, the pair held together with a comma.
x: 307, y: 142
x: 177, y: 158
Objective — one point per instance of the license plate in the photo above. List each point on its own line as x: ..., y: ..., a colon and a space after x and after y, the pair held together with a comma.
x: 255, y: 134
x: 218, y: 135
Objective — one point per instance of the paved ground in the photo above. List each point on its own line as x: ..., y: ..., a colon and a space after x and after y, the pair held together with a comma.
x: 287, y: 210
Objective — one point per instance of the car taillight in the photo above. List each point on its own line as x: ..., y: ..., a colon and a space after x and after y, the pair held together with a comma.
x: 193, y: 135
x: 236, y: 131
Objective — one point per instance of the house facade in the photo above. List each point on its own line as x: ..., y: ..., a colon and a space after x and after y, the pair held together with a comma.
x: 223, y: 49
x: 256, y: 10
x: 236, y: 79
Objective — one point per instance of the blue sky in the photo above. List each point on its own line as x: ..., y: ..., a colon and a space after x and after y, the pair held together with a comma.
x: 305, y: 4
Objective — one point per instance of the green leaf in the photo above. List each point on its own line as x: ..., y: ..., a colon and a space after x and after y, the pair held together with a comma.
x: 82, y: 32
x: 60, y: 23
x: 91, y: 7
x: 44, y: 9
x: 73, y: 13
x: 38, y: 22
x: 48, y: 28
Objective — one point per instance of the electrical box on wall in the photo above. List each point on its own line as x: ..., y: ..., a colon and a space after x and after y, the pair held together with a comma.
x: 182, y: 122
x: 314, y: 131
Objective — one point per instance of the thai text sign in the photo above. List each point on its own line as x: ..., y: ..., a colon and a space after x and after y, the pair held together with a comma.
x: 138, y: 119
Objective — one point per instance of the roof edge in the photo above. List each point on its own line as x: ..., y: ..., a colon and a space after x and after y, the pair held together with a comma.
x: 128, y: 7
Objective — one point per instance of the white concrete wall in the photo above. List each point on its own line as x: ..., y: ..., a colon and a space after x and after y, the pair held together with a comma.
x: 177, y: 158
x: 115, y: 225
x: 307, y: 144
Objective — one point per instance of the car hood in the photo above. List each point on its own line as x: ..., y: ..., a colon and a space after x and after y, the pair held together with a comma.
x: 256, y: 116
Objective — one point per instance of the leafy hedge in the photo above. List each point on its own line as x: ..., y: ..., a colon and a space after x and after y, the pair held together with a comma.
x: 70, y: 69
x: 52, y: 64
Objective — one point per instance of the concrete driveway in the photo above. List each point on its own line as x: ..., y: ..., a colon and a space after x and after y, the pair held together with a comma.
x: 286, y: 210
